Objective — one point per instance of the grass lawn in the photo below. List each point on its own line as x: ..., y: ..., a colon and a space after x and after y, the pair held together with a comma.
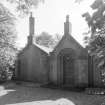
x: 12, y: 94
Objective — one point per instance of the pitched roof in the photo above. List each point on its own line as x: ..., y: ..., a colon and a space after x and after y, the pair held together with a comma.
x: 47, y: 50
x: 44, y: 49
x: 71, y: 39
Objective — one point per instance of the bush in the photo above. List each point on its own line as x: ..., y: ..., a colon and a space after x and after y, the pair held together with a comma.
x: 5, y: 74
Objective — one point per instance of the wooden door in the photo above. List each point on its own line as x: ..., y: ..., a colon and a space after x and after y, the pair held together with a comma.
x: 68, y: 70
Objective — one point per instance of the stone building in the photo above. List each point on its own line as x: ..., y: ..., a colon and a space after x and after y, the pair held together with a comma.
x: 32, y: 63
x: 68, y: 61
x: 67, y: 65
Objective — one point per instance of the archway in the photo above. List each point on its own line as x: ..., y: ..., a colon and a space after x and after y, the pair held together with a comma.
x: 66, y: 67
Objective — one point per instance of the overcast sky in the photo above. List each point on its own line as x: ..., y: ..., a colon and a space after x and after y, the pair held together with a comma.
x: 50, y: 17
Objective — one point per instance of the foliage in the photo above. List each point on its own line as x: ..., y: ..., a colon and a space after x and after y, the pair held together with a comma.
x: 7, y: 41
x: 47, y: 40
x: 96, y: 22
x: 44, y: 39
x: 96, y: 42
x: 78, y: 1
x: 97, y: 19
x: 24, y: 6
x: 97, y: 49
x: 57, y: 38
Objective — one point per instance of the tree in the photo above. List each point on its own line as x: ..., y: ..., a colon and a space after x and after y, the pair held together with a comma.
x: 57, y: 37
x: 24, y: 6
x: 7, y: 41
x: 47, y: 40
x: 78, y: 1
x: 96, y: 42
x: 95, y: 22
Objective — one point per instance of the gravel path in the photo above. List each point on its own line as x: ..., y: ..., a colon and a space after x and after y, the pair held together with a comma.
x: 14, y: 94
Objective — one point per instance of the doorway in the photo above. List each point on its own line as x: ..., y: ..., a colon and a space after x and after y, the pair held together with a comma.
x: 68, y: 70
x: 66, y: 67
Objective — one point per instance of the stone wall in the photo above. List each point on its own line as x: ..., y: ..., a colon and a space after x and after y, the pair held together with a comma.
x: 34, y: 65
x: 81, y: 73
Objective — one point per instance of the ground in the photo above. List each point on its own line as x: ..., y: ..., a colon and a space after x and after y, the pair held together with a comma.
x: 13, y: 94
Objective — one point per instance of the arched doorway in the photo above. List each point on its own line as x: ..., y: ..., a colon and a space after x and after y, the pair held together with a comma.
x: 66, y: 67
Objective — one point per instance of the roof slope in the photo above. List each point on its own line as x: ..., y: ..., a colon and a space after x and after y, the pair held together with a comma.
x: 71, y: 39
x: 42, y: 48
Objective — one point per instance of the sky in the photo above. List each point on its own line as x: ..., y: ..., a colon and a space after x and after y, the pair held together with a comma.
x: 50, y: 17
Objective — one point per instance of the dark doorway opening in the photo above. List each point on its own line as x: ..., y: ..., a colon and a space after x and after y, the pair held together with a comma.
x: 66, y: 67
x: 68, y: 70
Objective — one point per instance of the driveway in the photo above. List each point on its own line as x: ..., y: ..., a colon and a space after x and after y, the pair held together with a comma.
x: 12, y: 94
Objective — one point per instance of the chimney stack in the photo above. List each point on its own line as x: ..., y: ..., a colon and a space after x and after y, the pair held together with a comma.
x: 67, y: 26
x: 31, y: 29
x: 31, y: 24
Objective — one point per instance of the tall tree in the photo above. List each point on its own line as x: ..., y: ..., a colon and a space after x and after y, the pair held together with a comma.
x: 96, y: 43
x: 7, y: 39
